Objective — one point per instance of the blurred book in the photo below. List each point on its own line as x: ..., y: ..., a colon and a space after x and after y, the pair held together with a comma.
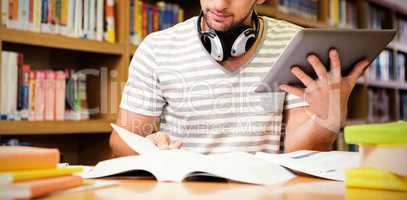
x: 27, y: 158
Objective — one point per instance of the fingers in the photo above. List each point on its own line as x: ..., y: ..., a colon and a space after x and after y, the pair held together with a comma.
x: 163, y: 141
x: 176, y: 145
x: 357, y: 71
x: 302, y: 76
x: 160, y: 139
x: 299, y: 92
x: 318, y: 67
x: 335, y: 65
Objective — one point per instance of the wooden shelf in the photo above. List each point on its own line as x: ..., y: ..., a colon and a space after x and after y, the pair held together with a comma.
x: 54, y: 127
x: 268, y: 10
x: 59, y: 41
x: 398, y: 46
x: 383, y: 84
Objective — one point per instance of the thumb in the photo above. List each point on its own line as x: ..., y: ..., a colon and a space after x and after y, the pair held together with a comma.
x: 160, y: 139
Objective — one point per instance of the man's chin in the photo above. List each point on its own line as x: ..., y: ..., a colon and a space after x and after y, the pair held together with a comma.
x: 219, y: 26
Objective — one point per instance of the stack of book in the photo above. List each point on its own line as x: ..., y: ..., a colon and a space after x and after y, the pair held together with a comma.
x: 90, y: 19
x: 39, y: 95
x: 304, y: 8
x: 147, y: 18
x: 29, y: 172
x: 343, y: 13
x: 383, y: 156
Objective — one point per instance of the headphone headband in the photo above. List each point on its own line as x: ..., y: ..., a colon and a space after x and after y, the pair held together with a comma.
x: 221, y: 47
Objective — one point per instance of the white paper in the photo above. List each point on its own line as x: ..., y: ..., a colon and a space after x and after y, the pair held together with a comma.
x: 138, y: 143
x: 330, y: 165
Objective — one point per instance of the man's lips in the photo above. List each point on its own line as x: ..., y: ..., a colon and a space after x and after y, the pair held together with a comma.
x: 218, y: 16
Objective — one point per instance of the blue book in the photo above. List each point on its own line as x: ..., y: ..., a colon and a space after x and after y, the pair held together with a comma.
x: 44, y: 11
x: 150, y: 19
x: 131, y: 17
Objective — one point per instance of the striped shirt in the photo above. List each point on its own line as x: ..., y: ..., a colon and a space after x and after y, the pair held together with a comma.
x: 208, y: 108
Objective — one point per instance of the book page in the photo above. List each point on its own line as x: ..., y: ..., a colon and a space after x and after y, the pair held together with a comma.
x: 330, y: 165
x: 138, y: 143
x: 245, y: 167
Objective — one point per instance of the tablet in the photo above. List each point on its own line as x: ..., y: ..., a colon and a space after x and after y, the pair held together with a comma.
x: 352, y: 45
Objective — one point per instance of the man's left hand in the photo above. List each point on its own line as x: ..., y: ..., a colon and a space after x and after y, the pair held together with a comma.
x: 328, y: 95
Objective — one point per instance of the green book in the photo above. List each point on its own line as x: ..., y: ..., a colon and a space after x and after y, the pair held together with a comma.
x: 386, y: 133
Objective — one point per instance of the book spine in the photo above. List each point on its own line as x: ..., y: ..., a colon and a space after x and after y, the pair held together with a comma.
x: 144, y: 20
x: 4, y: 12
x: 99, y: 20
x: 49, y: 95
x: 3, y: 85
x: 39, y: 96
x: 156, y: 19
x: 31, y: 96
x: 24, y: 90
x: 92, y: 19
x: 60, y: 96
x: 110, y: 22
x: 131, y: 26
x: 12, y: 85
x: 71, y: 18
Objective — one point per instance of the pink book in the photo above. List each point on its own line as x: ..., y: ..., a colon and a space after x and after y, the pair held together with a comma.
x: 60, y: 95
x: 39, y: 96
x: 50, y: 95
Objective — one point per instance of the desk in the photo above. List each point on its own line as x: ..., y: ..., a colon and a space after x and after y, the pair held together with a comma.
x: 303, y: 188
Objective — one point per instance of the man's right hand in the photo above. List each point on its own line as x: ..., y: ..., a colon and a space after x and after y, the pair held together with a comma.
x: 163, y: 141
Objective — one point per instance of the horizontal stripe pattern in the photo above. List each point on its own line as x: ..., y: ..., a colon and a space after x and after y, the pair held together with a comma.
x: 210, y: 109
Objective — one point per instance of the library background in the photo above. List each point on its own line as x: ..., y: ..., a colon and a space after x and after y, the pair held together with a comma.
x: 64, y: 64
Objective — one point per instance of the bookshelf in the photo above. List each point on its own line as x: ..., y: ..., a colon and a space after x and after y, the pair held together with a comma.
x: 115, y: 58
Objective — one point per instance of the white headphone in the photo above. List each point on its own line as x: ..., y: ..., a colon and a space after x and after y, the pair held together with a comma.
x: 221, y: 47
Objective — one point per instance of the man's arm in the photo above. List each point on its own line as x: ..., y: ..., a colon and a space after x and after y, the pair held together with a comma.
x: 301, y: 132
x: 136, y: 123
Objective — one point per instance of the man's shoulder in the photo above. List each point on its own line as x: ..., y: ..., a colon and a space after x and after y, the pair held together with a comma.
x: 177, y: 32
x: 280, y: 24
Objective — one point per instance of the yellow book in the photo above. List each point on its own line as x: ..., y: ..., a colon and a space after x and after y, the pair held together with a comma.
x: 64, y: 12
x: 24, y: 175
x: 334, y: 12
x: 365, y: 177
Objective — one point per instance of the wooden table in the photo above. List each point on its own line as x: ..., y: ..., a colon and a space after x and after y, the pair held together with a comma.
x: 298, y: 188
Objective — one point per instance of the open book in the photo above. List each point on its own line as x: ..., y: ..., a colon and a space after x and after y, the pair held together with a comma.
x: 178, y: 165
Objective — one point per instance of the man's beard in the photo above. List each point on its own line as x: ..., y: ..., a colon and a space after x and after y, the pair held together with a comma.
x: 229, y: 29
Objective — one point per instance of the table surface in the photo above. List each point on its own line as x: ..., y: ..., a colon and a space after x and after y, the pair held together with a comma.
x: 297, y: 188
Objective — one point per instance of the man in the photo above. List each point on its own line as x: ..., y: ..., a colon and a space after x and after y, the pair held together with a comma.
x: 198, y: 82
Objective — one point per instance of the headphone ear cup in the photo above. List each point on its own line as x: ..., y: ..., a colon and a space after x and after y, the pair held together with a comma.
x: 206, y: 42
x: 214, y: 45
x: 243, y: 42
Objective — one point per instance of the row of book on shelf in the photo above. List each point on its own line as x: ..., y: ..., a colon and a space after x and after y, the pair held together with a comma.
x: 90, y: 19
x: 39, y: 95
x: 304, y: 8
x: 341, y: 13
x: 380, y: 105
x: 146, y: 18
x: 388, y: 66
x: 381, y: 18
